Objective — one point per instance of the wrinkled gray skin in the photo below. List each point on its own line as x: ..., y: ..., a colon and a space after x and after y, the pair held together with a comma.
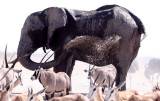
x: 56, y: 28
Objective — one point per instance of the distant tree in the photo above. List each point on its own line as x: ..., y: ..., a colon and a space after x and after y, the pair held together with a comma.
x: 134, y: 66
x: 152, y: 67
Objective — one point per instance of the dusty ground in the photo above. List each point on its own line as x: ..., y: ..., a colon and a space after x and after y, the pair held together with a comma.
x: 80, y: 83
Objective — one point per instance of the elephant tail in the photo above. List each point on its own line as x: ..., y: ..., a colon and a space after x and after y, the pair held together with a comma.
x: 141, y: 28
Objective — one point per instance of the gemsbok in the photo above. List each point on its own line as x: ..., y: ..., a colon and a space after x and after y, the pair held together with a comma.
x: 7, y: 74
x: 17, y: 82
x: 35, y: 96
x: 5, y: 92
x: 95, y: 90
x: 156, y: 88
x: 110, y: 72
x: 95, y: 94
x: 56, y: 82
x: 29, y: 97
x: 112, y: 94
x: 150, y: 96
x: 72, y: 97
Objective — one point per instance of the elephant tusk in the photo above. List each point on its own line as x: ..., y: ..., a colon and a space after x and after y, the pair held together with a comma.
x: 44, y: 49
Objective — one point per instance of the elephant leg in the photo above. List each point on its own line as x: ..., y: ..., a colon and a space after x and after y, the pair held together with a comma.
x: 66, y: 66
x: 62, y: 65
x: 121, y: 77
x: 122, y: 70
x: 125, y: 61
x: 70, y: 65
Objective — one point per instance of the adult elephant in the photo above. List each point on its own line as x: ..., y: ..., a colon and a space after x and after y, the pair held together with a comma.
x: 108, y: 35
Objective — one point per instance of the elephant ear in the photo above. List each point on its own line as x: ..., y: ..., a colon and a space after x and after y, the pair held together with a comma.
x: 56, y: 18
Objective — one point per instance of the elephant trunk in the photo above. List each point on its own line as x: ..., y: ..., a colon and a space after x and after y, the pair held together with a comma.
x: 30, y: 48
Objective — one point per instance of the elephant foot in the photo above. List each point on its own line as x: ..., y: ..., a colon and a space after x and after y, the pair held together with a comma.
x: 120, y: 78
x: 123, y: 87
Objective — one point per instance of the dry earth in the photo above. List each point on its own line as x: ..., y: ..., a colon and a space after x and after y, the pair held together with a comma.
x: 80, y: 83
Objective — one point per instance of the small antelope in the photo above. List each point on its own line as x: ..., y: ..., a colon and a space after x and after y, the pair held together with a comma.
x: 56, y: 82
x: 5, y: 92
x: 95, y: 91
x: 151, y: 96
x: 72, y: 97
x: 36, y: 96
x: 156, y: 88
x: 29, y: 97
x: 6, y: 79
x: 104, y: 74
x: 112, y: 93
x: 95, y: 94
x: 125, y: 95
x: 7, y: 74
x: 17, y: 82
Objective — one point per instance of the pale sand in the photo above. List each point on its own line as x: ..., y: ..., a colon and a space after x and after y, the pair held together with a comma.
x: 80, y: 83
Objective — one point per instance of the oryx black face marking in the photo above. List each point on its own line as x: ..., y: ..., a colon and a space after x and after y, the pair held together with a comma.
x: 31, y: 97
x: 36, y: 74
x: 94, y: 89
x: 89, y: 73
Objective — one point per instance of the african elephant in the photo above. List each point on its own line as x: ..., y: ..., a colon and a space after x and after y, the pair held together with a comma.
x: 108, y: 35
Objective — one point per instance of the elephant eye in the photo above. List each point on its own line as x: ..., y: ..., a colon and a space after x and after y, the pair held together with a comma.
x: 33, y: 23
